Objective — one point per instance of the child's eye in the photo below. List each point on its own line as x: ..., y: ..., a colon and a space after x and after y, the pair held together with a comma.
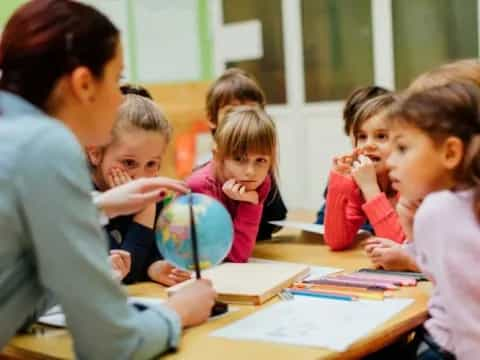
x: 401, y: 148
x: 153, y: 165
x: 382, y: 136
x: 240, y: 158
x: 129, y: 163
x: 261, y: 160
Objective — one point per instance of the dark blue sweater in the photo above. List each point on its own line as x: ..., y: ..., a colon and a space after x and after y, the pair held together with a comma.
x: 138, y: 240
x: 273, y: 209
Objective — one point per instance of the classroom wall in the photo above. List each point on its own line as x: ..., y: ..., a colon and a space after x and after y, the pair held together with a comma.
x: 6, y: 9
x: 176, y: 69
x: 307, y: 140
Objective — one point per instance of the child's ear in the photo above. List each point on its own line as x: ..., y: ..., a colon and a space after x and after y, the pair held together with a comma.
x: 94, y: 154
x: 453, y: 151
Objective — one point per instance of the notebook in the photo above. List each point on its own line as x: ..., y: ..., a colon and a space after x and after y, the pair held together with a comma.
x: 250, y: 283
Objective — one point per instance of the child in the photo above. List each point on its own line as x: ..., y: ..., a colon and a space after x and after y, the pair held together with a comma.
x: 239, y: 175
x: 139, y: 139
x: 237, y: 87
x: 383, y: 252
x: 359, y: 187
x: 436, y: 156
x: 355, y: 100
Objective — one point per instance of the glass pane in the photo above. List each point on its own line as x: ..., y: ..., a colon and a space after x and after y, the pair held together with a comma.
x: 337, y: 47
x: 270, y: 70
x: 428, y: 33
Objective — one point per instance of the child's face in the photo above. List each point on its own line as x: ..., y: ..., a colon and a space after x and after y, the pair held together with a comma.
x: 250, y: 171
x: 138, y: 152
x: 416, y: 163
x: 373, y: 139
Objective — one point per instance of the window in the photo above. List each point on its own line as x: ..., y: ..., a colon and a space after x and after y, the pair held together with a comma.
x: 428, y: 33
x: 269, y: 70
x: 337, y: 47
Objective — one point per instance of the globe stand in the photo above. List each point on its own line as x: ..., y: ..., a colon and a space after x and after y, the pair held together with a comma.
x: 219, y: 307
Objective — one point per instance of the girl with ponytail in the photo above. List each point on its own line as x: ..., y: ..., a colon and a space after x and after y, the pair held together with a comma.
x: 436, y: 157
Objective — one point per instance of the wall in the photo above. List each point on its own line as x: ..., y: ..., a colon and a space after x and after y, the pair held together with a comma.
x: 182, y: 97
x: 7, y: 7
x: 307, y: 140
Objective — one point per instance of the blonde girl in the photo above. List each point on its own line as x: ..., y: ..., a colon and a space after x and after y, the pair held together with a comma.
x: 139, y: 139
x: 239, y: 176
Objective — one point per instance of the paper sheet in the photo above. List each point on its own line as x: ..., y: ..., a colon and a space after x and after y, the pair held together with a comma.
x: 55, y: 316
x: 305, y: 226
x: 333, y: 324
x: 313, y: 228
x: 315, y: 271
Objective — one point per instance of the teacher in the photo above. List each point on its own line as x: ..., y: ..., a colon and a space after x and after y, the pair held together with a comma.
x: 60, y: 64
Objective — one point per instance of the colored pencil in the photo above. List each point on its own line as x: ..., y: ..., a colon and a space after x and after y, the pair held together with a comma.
x: 356, y: 284
x: 396, y: 280
x: 367, y: 283
x: 343, y: 290
x: 416, y: 275
x: 322, y: 295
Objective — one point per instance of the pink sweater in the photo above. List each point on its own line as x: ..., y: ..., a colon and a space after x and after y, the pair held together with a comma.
x: 346, y: 211
x: 245, y: 216
x: 447, y: 246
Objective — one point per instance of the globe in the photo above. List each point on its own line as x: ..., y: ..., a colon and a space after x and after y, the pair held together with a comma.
x: 213, y: 227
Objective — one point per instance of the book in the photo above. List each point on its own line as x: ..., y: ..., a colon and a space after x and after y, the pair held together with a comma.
x: 250, y: 283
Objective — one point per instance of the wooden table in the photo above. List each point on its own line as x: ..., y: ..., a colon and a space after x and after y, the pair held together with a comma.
x: 288, y: 245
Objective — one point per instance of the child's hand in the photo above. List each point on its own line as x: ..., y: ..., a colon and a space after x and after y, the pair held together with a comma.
x: 236, y: 191
x: 343, y: 164
x: 393, y: 258
x: 121, y: 263
x: 406, y: 210
x: 374, y: 242
x: 166, y: 274
x: 364, y: 174
x: 117, y: 177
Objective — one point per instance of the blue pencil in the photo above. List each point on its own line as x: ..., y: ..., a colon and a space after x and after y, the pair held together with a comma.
x: 322, y: 295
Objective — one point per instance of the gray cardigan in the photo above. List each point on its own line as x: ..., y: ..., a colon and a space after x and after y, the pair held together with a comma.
x: 52, y: 248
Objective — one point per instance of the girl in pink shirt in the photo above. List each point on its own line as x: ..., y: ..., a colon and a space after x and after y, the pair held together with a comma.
x: 239, y: 176
x: 359, y: 187
x: 436, y: 157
